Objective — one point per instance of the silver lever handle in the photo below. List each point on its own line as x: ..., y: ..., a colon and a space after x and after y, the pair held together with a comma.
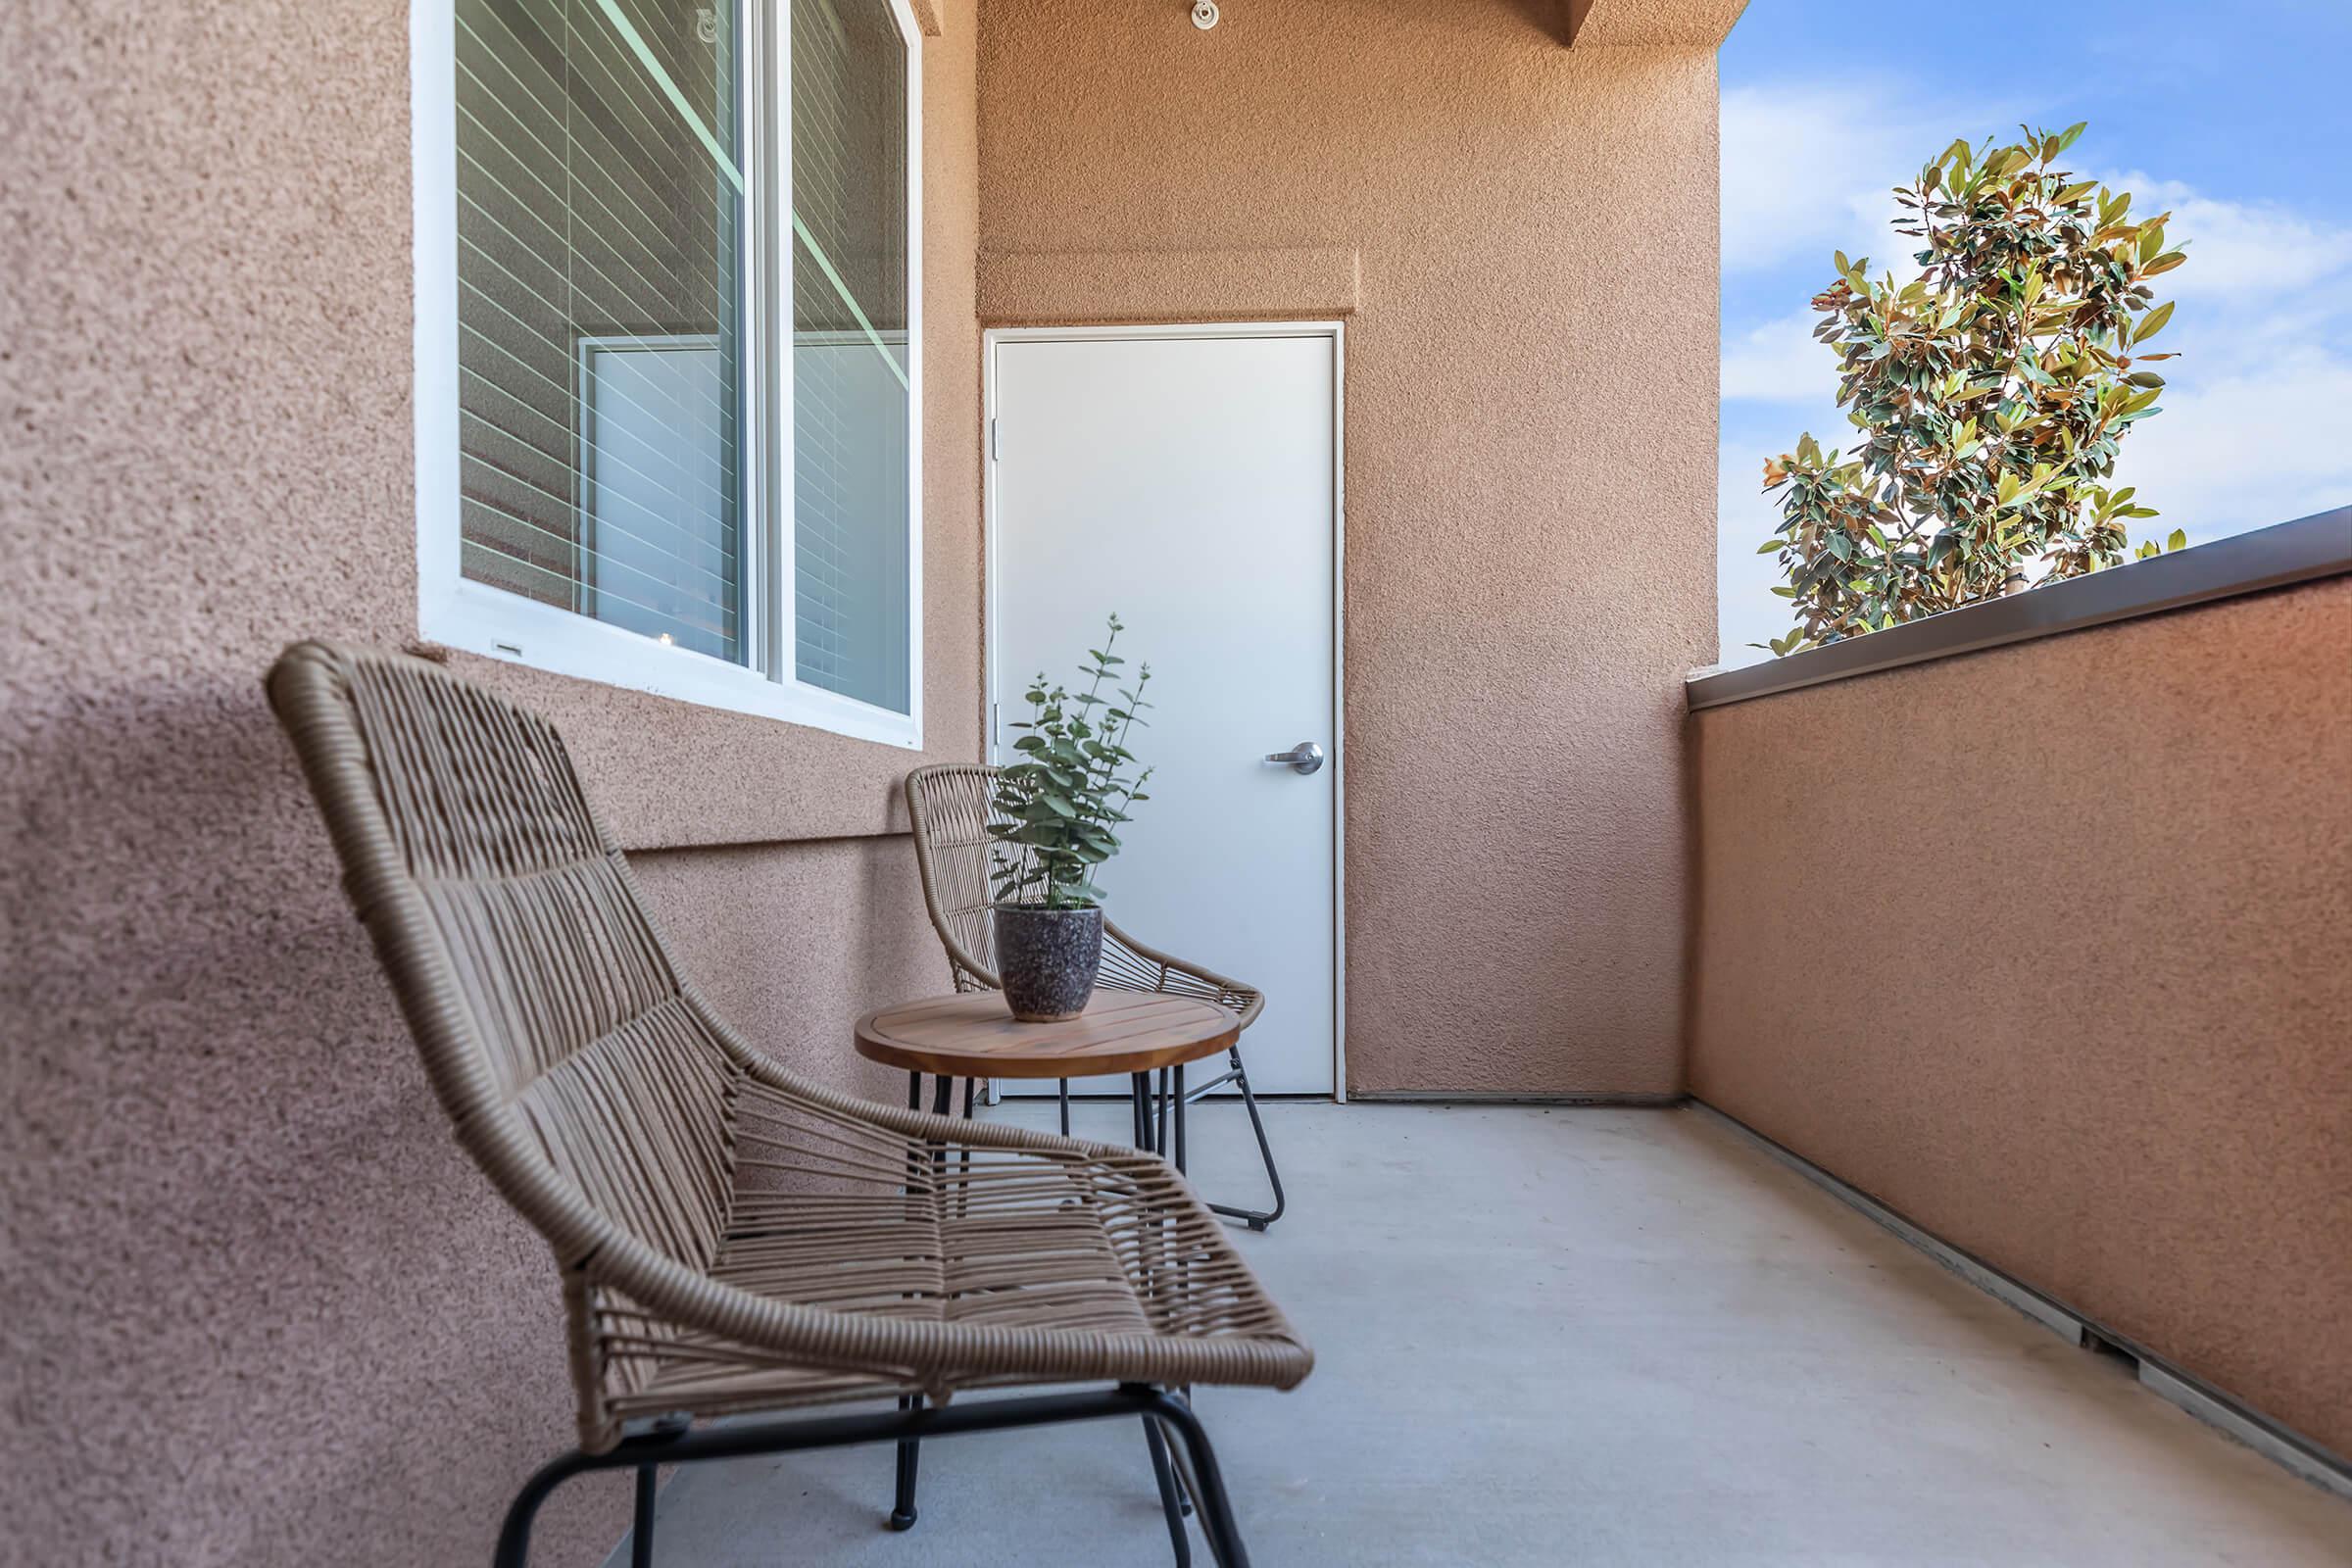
x: 1304, y: 758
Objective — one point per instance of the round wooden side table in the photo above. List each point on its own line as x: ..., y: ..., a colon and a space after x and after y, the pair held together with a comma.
x: 971, y: 1036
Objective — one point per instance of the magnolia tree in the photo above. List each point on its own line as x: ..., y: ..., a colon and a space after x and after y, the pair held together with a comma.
x: 1990, y: 393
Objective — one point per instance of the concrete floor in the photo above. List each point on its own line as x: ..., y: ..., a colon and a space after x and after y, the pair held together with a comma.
x: 1575, y: 1336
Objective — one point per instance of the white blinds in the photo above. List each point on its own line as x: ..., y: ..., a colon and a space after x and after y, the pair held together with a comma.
x: 599, y: 215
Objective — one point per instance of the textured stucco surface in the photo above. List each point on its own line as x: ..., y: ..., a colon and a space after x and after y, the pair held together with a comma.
x: 2046, y: 947
x: 1130, y: 285
x: 1530, y: 484
x: 259, y: 1308
x: 1648, y: 23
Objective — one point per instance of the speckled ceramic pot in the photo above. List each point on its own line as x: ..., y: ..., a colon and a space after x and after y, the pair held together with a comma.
x: 1047, y: 959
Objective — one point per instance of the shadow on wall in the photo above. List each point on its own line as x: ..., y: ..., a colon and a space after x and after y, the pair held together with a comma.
x: 289, y: 1320
x: 1546, y: 17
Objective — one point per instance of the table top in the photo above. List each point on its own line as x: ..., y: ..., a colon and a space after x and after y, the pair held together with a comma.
x: 974, y: 1036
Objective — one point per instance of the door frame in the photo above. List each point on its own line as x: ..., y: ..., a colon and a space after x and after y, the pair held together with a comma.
x: 1336, y: 331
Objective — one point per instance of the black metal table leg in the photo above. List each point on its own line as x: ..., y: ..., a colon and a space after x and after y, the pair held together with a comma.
x: 1160, y: 1131
x: 1152, y: 1113
x: 910, y: 1450
x: 641, y: 1532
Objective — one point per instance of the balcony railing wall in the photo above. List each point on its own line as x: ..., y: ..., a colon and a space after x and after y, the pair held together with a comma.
x: 2045, y: 948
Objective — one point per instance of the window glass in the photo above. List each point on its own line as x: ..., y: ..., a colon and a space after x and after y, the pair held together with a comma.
x: 599, y: 218
x: 849, y: 358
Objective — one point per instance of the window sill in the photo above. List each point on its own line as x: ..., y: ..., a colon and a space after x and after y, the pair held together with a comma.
x: 479, y: 620
x: 2303, y: 551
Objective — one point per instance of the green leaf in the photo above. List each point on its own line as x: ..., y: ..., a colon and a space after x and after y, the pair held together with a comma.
x: 2153, y: 322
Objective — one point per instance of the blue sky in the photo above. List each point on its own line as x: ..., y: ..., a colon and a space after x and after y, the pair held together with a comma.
x: 2237, y: 119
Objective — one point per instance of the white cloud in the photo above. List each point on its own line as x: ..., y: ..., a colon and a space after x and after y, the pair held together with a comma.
x: 2248, y: 447
x: 1789, y: 169
x: 1780, y: 362
x: 2257, y: 421
x: 2238, y: 250
x: 1807, y: 169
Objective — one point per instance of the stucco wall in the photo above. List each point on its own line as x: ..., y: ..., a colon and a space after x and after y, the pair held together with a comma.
x: 259, y: 1309
x: 2046, y: 947
x: 1530, y: 412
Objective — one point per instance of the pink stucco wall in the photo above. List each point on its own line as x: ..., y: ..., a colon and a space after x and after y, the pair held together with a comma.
x: 259, y: 1308
x: 2045, y: 948
x: 1530, y: 473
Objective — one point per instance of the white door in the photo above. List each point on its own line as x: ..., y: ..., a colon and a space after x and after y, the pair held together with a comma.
x: 1187, y: 479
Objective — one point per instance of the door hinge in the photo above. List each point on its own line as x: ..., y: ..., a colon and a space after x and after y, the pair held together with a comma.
x: 993, y: 451
x: 992, y: 723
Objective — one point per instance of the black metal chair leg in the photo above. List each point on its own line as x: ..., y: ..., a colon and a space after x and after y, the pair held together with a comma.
x: 514, y: 1534
x: 1215, y: 1510
x: 641, y: 1529
x: 1256, y: 1219
x: 1171, y: 1501
x: 1064, y: 1086
x: 1188, y: 1454
x: 911, y: 1454
x: 1176, y: 1463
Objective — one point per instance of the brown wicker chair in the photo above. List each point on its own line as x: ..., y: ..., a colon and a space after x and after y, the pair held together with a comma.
x: 951, y: 809
x: 733, y: 1238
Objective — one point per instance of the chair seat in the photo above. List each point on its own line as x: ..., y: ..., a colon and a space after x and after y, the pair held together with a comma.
x: 1081, y: 1245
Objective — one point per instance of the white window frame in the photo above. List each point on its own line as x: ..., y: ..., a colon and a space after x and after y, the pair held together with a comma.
x: 479, y: 619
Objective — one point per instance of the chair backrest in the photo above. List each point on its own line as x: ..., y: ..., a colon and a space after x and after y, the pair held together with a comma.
x: 580, y: 1074
x: 952, y: 807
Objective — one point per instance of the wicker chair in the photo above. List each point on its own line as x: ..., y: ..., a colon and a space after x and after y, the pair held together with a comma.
x: 733, y: 1238
x: 951, y: 809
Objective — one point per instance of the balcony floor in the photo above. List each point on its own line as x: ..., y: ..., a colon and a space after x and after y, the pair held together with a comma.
x: 1605, y: 1336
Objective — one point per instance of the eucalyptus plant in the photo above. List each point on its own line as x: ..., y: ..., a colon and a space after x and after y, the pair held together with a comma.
x: 1990, y: 392
x: 1064, y: 801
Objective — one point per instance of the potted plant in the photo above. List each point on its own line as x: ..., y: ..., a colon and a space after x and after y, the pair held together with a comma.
x: 1059, y: 807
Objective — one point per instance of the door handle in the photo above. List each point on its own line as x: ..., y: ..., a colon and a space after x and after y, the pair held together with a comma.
x: 1304, y: 758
